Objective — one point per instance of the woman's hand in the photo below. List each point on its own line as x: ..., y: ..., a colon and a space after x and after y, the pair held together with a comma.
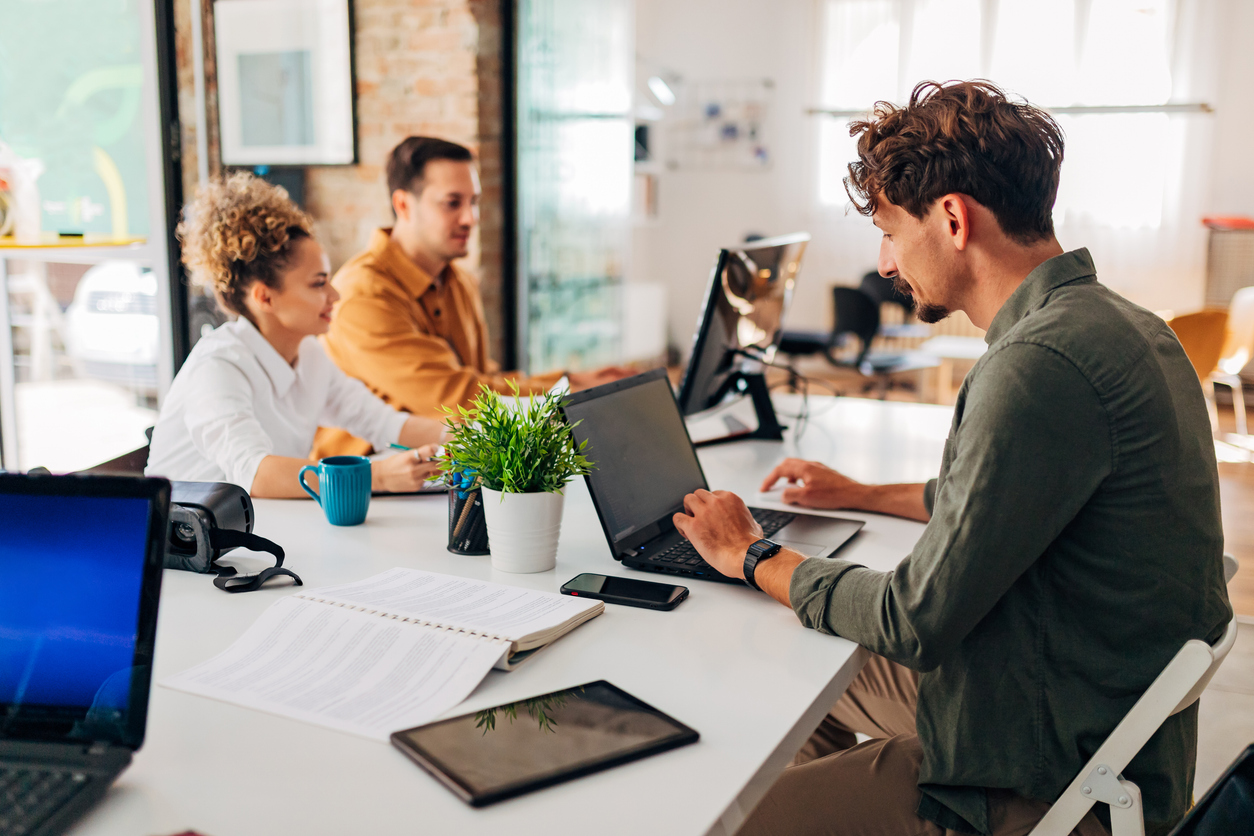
x: 417, y: 432
x: 404, y: 472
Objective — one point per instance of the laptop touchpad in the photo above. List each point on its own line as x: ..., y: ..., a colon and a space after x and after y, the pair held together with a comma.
x: 817, y: 536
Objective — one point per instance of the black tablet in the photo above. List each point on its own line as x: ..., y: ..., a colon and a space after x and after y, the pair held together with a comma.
x: 509, y: 750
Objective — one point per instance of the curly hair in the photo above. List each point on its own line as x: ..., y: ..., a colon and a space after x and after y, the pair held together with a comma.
x: 965, y: 137
x: 239, y: 230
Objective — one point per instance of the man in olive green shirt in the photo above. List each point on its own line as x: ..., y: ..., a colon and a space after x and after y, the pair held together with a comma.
x: 1073, y: 538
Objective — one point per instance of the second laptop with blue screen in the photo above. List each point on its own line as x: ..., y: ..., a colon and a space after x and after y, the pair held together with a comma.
x: 80, y: 577
x: 644, y: 466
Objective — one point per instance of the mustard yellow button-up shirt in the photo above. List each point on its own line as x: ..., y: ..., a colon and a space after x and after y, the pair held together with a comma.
x: 417, y: 343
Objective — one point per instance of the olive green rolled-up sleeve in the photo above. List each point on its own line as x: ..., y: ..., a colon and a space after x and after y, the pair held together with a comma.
x: 1014, y: 476
x: 929, y: 495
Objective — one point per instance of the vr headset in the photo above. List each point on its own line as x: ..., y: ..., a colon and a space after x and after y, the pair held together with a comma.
x: 207, y: 520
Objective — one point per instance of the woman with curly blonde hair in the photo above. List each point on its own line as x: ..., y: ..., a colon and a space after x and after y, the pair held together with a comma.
x: 245, y: 406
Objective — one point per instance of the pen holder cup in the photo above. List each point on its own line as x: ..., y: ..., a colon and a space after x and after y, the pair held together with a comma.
x: 467, y: 529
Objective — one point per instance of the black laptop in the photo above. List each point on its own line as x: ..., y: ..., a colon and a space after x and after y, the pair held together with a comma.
x: 80, y: 574
x: 645, y: 465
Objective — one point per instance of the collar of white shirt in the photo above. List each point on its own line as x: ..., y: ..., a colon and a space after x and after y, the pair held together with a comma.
x: 281, y: 375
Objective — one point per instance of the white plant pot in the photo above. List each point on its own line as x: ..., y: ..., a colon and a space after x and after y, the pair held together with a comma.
x: 523, y: 529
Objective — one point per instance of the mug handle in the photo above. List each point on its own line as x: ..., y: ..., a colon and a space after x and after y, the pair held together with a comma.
x: 300, y: 477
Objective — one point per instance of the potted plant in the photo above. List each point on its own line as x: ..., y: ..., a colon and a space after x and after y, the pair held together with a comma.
x: 521, y: 453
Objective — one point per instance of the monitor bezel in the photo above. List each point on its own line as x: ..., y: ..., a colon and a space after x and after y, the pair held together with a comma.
x: 700, y: 341
x: 41, y: 722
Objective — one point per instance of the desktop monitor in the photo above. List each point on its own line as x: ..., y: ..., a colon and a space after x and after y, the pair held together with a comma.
x: 742, y: 318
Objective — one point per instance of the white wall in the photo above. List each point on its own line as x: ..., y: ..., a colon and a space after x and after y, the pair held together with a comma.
x: 1232, y: 180
x: 699, y: 211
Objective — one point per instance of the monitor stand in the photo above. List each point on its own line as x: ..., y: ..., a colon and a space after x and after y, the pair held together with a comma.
x: 736, y: 421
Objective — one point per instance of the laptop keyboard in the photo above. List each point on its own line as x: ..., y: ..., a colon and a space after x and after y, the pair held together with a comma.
x: 684, y: 557
x: 28, y: 797
x: 771, y: 521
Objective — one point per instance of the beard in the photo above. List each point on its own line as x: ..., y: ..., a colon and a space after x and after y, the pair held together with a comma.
x: 926, y: 312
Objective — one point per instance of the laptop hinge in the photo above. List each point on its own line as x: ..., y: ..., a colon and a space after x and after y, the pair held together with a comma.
x: 99, y: 747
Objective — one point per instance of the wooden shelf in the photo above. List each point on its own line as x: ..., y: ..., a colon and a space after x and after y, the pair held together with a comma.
x: 86, y: 249
x: 51, y: 240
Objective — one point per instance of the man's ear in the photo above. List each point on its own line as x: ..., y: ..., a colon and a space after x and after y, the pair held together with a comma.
x: 400, y: 204
x: 957, y: 219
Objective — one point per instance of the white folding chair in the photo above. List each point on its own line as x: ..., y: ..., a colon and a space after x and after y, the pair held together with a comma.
x: 1101, y: 780
x: 1237, y: 351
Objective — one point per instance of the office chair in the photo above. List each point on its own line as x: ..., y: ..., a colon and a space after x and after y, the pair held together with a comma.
x: 883, y: 292
x: 856, y: 315
x: 1202, y: 336
x: 1238, y: 348
x: 1228, y: 806
x: 882, y: 289
x: 131, y: 464
x: 1100, y: 780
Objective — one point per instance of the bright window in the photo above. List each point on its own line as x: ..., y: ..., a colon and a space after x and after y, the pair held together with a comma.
x: 1117, y: 166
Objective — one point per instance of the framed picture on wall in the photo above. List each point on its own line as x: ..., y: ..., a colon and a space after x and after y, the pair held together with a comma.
x: 285, y: 82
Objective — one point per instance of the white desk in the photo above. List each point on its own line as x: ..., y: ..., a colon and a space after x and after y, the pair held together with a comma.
x: 729, y: 662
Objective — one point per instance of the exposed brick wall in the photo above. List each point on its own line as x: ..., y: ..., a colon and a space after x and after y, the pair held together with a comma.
x: 423, y: 67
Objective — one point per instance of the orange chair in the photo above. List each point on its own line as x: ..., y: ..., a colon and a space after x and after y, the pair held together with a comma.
x: 1237, y: 352
x: 1202, y: 335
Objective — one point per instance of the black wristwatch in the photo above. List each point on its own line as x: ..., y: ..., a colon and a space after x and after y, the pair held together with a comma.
x: 759, y: 551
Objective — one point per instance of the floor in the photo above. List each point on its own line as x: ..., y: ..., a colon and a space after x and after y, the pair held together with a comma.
x: 1226, y: 714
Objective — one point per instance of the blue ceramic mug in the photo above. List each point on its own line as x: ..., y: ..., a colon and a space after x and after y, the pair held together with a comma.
x: 344, y: 485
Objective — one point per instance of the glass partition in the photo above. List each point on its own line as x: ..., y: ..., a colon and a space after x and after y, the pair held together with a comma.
x: 575, y: 147
x: 86, y: 346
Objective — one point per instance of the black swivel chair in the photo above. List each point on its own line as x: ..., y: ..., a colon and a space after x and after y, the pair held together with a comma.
x: 882, y: 289
x: 127, y: 464
x: 857, y: 315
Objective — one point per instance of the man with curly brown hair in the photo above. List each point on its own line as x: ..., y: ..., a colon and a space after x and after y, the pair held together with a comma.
x: 410, y: 324
x: 1073, y: 539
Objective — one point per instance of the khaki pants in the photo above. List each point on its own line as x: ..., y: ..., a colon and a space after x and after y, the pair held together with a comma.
x: 836, y: 787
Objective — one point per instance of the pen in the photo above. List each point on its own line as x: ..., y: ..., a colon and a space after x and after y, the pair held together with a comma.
x: 439, y: 451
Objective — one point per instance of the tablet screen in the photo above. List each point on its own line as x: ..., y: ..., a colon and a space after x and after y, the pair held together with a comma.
x: 511, y: 749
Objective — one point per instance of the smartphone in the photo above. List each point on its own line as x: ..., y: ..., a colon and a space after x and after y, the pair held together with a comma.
x: 633, y: 593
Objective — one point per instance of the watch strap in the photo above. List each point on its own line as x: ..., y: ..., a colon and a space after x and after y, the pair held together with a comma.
x: 759, y: 551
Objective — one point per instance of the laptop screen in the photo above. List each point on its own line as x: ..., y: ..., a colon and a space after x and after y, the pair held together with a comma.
x: 73, y: 567
x: 644, y: 461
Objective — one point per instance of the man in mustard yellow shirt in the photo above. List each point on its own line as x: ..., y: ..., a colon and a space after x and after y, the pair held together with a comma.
x: 410, y: 323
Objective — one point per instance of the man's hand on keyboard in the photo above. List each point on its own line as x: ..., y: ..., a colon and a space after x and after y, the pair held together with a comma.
x: 720, y: 528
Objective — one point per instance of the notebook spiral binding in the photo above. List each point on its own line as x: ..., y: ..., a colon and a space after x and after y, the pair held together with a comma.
x: 419, y: 621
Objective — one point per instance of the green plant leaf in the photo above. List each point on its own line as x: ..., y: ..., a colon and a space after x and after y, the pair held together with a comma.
x: 525, y: 449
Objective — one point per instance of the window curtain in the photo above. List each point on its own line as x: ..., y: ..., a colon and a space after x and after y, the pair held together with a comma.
x: 1134, y: 185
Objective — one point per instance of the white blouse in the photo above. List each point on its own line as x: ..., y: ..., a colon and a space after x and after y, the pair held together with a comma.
x: 236, y: 401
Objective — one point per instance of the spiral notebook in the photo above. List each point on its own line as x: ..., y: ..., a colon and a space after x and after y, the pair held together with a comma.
x: 389, y: 652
